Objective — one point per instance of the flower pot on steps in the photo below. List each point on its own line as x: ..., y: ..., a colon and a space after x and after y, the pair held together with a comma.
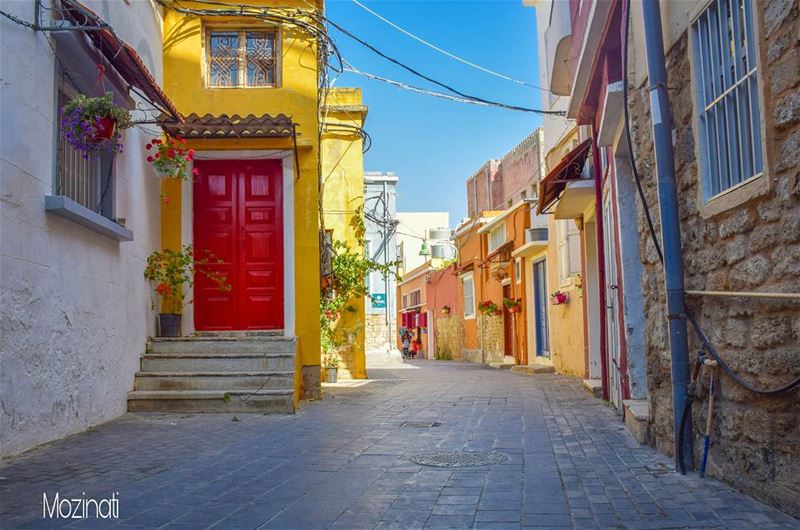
x: 169, y: 325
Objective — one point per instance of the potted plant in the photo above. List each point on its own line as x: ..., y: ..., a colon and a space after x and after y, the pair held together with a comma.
x: 513, y: 305
x: 446, y: 310
x: 489, y: 308
x: 170, y: 157
x: 170, y: 270
x: 559, y: 298
x: 90, y: 124
x: 331, y: 363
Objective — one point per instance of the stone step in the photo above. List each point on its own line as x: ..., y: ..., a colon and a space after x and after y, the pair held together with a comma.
x: 223, y: 344
x: 593, y: 387
x: 226, y: 381
x: 532, y: 369
x: 210, y: 362
x: 211, y: 401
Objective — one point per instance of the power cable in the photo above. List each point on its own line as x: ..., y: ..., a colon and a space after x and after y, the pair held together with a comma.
x: 445, y: 52
x: 434, y: 81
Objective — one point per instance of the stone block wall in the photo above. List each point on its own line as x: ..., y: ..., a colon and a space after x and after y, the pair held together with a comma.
x: 754, y: 246
x: 490, y: 338
x: 377, y: 332
x: 449, y: 338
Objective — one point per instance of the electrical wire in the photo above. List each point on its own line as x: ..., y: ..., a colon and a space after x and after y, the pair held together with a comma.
x: 706, y: 344
x: 445, y: 52
x: 434, y: 81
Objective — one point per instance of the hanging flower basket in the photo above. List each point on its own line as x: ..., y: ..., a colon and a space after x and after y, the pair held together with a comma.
x: 170, y: 157
x: 446, y: 310
x: 513, y: 305
x: 489, y: 309
x: 559, y: 298
x: 91, y: 125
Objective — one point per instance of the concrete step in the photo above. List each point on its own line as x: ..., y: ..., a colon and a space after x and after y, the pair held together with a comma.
x: 211, y: 362
x: 223, y: 344
x: 532, y: 369
x: 225, y: 381
x: 593, y: 387
x: 211, y: 401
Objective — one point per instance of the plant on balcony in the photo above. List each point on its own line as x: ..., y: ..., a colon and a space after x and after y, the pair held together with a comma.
x: 170, y: 157
x: 489, y: 308
x: 513, y: 305
x: 558, y: 298
x: 169, y: 270
x: 445, y: 309
x: 93, y: 124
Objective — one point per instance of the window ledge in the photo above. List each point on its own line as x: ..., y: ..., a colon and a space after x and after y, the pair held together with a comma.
x: 66, y: 207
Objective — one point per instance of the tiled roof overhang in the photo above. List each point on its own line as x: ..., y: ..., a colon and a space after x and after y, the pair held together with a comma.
x: 235, y: 126
x: 568, y: 170
x: 124, y: 58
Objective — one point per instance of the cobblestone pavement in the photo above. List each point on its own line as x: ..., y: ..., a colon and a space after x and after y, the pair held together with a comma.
x: 345, y: 463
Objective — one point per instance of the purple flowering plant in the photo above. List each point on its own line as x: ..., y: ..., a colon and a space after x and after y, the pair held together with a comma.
x: 85, y: 122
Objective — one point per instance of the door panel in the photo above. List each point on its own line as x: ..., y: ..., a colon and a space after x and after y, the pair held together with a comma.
x: 238, y: 218
x: 540, y: 300
x: 612, y: 301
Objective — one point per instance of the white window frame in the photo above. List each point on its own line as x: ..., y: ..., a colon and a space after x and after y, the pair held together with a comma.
x: 411, y: 294
x: 569, y: 250
x: 726, y: 87
x: 497, y: 236
x: 469, y: 301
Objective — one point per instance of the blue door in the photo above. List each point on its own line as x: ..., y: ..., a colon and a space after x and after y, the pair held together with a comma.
x: 540, y: 305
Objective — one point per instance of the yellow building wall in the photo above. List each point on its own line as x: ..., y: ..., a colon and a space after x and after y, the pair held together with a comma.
x: 567, y: 343
x: 342, y: 197
x: 296, y: 96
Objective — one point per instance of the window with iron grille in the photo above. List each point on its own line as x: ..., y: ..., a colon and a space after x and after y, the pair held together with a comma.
x: 727, y: 101
x: 89, y: 181
x: 242, y: 58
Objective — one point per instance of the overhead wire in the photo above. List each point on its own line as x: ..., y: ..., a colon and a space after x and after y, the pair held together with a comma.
x: 445, y: 52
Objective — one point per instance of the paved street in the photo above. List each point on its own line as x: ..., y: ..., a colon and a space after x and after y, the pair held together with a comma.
x: 345, y: 463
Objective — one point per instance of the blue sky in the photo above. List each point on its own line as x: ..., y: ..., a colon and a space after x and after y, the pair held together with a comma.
x: 433, y: 145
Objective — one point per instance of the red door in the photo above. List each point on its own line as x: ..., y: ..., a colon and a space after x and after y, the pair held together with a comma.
x: 238, y: 217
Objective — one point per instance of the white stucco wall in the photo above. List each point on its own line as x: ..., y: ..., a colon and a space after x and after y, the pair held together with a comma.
x: 75, y: 309
x: 413, y: 227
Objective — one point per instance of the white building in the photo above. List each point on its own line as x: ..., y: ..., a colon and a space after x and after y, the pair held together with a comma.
x: 75, y: 308
x: 418, y: 229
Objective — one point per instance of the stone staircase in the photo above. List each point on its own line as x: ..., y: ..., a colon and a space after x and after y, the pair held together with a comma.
x: 216, y: 373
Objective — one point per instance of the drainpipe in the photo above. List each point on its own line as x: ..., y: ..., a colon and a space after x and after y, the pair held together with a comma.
x: 601, y: 261
x: 670, y: 225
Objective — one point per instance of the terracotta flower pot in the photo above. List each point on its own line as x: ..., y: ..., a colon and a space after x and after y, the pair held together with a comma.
x: 105, y: 129
x: 515, y: 309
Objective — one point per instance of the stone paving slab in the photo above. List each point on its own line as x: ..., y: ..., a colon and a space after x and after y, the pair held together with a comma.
x: 345, y: 462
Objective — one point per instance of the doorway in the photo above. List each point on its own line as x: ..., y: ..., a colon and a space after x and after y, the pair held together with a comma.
x: 540, y: 307
x: 612, y: 305
x: 508, y: 325
x: 238, y: 227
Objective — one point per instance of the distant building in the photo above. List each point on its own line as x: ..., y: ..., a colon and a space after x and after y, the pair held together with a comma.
x: 499, y: 184
x: 418, y: 229
x: 380, y: 209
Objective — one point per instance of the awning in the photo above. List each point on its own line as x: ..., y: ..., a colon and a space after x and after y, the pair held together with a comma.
x: 235, y: 126
x: 124, y: 58
x: 568, y: 170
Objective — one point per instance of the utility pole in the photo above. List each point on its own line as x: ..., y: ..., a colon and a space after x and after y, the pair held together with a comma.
x: 670, y: 223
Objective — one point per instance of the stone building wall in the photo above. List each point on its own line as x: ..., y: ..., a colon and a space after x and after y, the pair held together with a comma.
x: 490, y: 338
x: 377, y: 332
x: 751, y: 247
x: 449, y: 338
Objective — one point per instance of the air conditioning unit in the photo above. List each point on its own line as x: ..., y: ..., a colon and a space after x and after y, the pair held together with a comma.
x: 439, y: 234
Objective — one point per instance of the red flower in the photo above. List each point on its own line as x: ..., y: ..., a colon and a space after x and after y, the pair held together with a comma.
x: 166, y: 200
x: 150, y: 158
x: 156, y: 141
x: 163, y: 289
x: 191, y: 152
x: 188, y: 158
x: 181, y: 140
x: 148, y: 146
x: 196, y: 172
x: 171, y: 153
x: 158, y: 155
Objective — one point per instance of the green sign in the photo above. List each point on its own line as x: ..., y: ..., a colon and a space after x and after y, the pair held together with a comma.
x: 378, y: 300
